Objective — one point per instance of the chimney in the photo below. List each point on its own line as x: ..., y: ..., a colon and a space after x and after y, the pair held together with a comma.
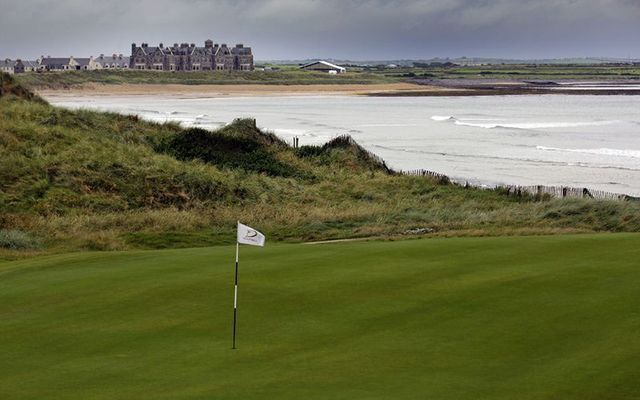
x: 101, y: 56
x: 175, y: 45
x: 133, y: 47
x: 161, y: 45
x: 114, y: 56
x: 208, y: 43
x: 193, y: 45
x: 240, y: 45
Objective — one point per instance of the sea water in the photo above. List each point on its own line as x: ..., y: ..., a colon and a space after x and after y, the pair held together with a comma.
x: 579, y: 140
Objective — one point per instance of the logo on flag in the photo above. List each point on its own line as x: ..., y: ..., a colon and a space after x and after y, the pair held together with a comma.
x: 250, y: 236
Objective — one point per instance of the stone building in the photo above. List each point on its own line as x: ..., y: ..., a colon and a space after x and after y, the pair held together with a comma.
x: 189, y: 57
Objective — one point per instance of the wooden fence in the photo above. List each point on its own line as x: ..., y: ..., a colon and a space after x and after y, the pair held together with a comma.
x: 557, y: 192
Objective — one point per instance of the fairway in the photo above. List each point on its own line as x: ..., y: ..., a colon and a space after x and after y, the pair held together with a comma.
x: 555, y: 317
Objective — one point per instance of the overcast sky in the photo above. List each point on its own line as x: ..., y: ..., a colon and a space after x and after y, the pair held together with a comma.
x: 342, y: 29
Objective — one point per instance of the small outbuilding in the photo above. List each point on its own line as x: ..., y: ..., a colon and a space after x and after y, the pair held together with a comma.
x: 324, y: 66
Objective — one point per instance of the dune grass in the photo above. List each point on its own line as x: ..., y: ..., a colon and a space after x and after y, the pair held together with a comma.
x: 83, y: 180
x: 462, y: 318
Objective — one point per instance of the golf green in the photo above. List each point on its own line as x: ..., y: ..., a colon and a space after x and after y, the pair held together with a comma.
x: 554, y: 317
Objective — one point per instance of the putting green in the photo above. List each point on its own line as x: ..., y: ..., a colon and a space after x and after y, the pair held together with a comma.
x: 553, y: 317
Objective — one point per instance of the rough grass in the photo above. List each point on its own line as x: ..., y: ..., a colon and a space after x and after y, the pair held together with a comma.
x: 466, y: 318
x: 290, y: 76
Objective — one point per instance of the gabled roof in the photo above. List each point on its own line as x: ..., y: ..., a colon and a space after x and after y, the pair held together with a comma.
x: 243, y: 51
x: 55, y: 61
x: 326, y: 63
x: 82, y: 61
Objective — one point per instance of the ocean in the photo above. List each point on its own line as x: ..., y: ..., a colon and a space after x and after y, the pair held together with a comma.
x: 578, y: 140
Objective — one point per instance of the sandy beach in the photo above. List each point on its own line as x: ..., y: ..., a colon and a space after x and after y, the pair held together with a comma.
x: 404, y: 89
x: 240, y: 90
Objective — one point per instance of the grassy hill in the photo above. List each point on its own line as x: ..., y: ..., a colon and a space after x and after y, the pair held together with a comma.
x: 99, y: 181
x: 463, y: 318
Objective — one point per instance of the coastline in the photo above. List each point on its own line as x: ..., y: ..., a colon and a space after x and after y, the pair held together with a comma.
x: 197, y: 91
x: 406, y: 89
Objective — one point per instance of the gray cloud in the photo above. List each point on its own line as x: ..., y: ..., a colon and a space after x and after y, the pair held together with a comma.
x: 355, y: 29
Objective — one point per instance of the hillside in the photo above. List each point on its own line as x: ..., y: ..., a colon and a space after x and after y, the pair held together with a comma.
x: 86, y: 180
x: 532, y: 318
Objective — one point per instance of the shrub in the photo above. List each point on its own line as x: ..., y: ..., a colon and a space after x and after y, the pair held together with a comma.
x: 16, y: 240
x: 225, y: 150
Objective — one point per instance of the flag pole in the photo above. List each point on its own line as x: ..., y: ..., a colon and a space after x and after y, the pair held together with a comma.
x: 235, y: 297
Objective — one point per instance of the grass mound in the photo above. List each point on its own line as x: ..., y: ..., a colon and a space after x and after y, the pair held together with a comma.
x: 9, y: 87
x: 240, y: 145
x: 343, y: 150
x: 483, y: 318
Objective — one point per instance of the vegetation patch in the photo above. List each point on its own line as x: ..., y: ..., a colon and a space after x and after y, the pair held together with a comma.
x: 14, y: 239
x: 240, y: 146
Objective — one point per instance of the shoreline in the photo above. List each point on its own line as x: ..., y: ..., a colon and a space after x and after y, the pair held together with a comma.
x: 243, y: 90
x: 417, y: 89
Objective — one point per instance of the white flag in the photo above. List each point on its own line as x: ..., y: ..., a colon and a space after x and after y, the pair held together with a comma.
x: 248, y: 235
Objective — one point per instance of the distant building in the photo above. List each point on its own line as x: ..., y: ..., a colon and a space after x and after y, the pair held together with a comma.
x: 8, y: 66
x: 189, y: 57
x: 63, y: 64
x: 30, y: 66
x: 324, y: 66
x: 109, y: 62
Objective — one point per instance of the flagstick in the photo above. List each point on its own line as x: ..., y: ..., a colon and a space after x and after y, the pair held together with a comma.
x: 235, y: 298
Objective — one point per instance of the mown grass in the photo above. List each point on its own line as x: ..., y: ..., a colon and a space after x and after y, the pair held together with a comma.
x: 465, y: 318
x: 99, y: 181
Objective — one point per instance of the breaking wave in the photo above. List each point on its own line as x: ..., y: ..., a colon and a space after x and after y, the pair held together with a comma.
x: 483, y: 123
x: 601, y: 151
x: 442, y: 117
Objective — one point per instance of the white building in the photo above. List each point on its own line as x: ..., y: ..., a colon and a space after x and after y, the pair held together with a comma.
x: 324, y: 66
x: 7, y: 66
x: 115, y: 61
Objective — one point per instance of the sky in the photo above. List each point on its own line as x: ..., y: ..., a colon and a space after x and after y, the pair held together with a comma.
x: 338, y: 29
